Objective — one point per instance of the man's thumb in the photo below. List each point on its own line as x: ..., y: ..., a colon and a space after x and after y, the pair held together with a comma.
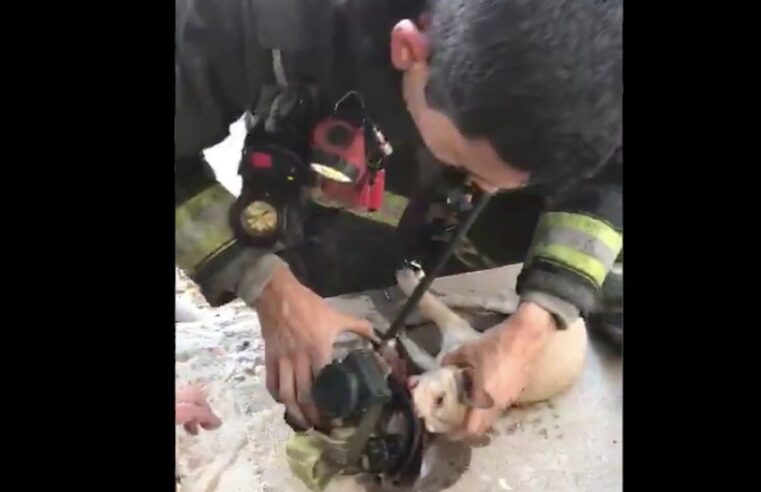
x: 359, y: 326
x: 459, y: 358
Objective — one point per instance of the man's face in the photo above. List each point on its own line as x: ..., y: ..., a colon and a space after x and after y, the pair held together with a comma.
x: 409, y: 52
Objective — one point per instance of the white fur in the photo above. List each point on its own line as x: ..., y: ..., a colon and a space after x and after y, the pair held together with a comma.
x: 438, y: 394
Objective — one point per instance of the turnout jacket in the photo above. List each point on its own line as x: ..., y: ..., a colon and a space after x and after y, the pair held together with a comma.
x: 224, y: 56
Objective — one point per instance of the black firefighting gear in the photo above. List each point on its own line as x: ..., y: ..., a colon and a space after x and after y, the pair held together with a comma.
x: 228, y: 52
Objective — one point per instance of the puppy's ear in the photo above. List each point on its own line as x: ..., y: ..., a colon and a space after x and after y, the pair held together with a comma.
x: 473, y: 397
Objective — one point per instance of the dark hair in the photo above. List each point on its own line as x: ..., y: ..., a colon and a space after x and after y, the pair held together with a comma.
x: 539, y: 79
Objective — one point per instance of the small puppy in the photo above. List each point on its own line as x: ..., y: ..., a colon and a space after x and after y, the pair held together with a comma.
x: 440, y: 394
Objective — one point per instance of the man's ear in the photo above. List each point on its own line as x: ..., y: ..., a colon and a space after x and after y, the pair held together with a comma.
x: 408, y: 45
x: 473, y: 397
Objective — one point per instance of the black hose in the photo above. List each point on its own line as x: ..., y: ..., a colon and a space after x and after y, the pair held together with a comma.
x: 462, y: 229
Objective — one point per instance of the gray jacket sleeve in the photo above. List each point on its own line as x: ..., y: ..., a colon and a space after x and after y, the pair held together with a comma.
x: 213, y: 82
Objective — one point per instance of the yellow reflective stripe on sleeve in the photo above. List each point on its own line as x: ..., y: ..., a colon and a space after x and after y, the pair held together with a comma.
x: 584, y: 223
x: 201, y: 228
x: 577, y: 242
x: 565, y: 256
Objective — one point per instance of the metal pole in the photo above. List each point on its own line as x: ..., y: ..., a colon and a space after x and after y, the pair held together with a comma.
x: 462, y: 229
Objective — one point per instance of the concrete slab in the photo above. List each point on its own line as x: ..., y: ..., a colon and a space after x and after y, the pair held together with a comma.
x: 570, y: 444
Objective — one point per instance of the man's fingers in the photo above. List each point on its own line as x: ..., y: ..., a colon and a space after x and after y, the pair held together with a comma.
x: 473, y: 377
x: 320, y: 357
x: 272, y: 376
x: 191, y: 428
x: 477, y: 423
x: 304, y: 389
x: 476, y: 394
x: 287, y: 390
x: 457, y: 435
x: 479, y: 398
x: 480, y: 421
x: 190, y: 394
x: 187, y: 412
x: 211, y: 421
x: 359, y: 326
x: 460, y: 357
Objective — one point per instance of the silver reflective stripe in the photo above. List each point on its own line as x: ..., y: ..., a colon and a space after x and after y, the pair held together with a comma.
x: 278, y: 68
x: 581, y: 242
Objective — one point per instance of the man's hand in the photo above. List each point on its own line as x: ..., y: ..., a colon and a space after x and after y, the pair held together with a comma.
x: 299, y: 329
x: 499, y: 364
x: 192, y: 410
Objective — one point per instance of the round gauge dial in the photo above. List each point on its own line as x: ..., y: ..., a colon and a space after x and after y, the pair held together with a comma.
x: 259, y: 218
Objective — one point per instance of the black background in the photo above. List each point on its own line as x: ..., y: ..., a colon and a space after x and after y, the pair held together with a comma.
x: 89, y: 149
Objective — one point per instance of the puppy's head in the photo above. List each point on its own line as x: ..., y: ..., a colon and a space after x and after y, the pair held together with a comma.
x: 442, y: 397
x: 437, y: 397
